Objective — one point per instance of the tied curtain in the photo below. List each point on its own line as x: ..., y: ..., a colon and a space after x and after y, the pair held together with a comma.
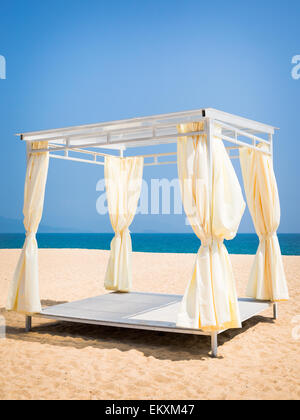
x: 123, y: 179
x: 23, y: 294
x: 267, y: 279
x: 210, y: 300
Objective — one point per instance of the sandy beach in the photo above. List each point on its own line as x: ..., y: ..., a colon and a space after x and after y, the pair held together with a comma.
x: 69, y: 361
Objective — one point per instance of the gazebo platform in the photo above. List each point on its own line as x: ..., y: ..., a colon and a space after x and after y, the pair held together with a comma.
x: 147, y: 311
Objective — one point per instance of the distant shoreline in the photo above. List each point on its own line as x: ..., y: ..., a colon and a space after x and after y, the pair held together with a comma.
x: 185, y: 243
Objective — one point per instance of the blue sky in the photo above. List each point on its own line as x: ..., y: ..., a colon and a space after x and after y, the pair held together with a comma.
x: 71, y: 62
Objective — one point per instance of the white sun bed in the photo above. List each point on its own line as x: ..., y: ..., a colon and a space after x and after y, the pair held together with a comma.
x: 146, y: 311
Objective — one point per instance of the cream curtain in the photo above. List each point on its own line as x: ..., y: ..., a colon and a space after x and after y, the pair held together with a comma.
x: 210, y: 301
x: 23, y: 294
x: 267, y: 279
x: 123, y: 178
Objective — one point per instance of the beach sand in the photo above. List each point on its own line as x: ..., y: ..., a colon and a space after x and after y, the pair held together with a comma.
x: 69, y: 361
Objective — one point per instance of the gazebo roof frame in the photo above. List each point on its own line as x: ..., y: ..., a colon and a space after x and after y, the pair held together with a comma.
x: 99, y: 140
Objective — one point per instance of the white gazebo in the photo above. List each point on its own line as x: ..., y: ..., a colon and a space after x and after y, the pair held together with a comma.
x: 206, y: 141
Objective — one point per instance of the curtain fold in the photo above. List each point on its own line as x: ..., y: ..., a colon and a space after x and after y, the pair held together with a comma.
x: 210, y: 300
x: 123, y: 179
x: 23, y: 294
x: 267, y: 278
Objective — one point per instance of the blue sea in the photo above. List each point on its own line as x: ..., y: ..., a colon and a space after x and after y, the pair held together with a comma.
x: 148, y: 242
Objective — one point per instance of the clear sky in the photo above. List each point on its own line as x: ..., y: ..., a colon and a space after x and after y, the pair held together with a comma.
x: 84, y: 61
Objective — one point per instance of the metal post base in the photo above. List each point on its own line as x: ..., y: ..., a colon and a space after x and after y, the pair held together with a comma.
x: 275, y: 310
x: 28, y: 323
x: 214, y: 344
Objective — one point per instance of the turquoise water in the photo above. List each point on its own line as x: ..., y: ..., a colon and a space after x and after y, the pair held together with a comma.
x: 156, y: 242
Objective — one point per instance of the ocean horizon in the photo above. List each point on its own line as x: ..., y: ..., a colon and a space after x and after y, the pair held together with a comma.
x: 243, y: 243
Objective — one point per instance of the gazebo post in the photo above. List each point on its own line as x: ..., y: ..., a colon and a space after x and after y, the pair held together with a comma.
x: 275, y: 310
x: 214, y: 344
x: 28, y: 323
x: 28, y: 319
x: 210, y: 133
x: 275, y: 304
